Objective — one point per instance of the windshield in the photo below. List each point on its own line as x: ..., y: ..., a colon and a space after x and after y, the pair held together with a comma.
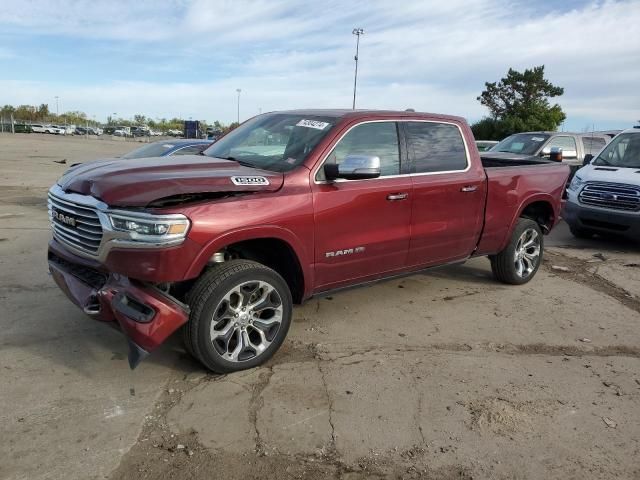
x: 623, y: 151
x: 151, y: 150
x: 274, y: 141
x: 525, y: 143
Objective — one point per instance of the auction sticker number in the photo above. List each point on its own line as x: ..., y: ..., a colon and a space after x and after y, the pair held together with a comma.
x: 312, y: 124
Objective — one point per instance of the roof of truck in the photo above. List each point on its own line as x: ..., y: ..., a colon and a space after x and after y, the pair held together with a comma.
x: 354, y: 114
x: 578, y: 134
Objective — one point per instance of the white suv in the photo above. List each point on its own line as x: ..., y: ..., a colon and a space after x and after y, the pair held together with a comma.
x: 604, y: 195
x: 54, y: 129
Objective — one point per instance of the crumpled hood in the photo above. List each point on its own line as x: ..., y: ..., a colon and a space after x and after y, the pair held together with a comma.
x: 603, y: 173
x: 138, y: 182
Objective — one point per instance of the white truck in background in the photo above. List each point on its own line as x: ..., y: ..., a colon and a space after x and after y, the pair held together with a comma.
x: 604, y: 195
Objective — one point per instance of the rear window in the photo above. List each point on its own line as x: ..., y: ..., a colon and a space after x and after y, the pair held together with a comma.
x: 592, y: 145
x: 435, y: 147
x: 157, y: 149
x: 525, y: 143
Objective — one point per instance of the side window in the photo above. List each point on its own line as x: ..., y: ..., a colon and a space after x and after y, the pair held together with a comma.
x: 435, y: 147
x: 593, y: 145
x: 567, y: 144
x: 378, y: 139
x: 192, y: 150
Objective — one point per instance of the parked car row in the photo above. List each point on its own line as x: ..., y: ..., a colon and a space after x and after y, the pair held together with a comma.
x: 88, y: 131
x: 56, y: 129
x: 135, y: 131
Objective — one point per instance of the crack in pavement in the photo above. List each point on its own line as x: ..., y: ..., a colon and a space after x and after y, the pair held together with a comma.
x: 332, y: 447
x: 418, y: 411
x: 256, y: 403
x: 502, y: 348
x: 578, y: 272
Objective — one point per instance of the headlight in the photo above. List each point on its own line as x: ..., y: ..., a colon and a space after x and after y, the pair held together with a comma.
x: 576, y: 183
x: 151, y: 228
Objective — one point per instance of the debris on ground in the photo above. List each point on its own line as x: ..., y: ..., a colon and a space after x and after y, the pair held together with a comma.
x: 610, y: 423
x: 560, y: 269
x: 585, y: 340
x: 599, y: 256
x: 61, y: 162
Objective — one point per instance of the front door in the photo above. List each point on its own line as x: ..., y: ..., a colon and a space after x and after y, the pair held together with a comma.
x: 362, y: 226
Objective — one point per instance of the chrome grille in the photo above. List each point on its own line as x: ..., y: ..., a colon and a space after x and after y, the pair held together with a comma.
x: 611, y: 195
x: 83, y: 231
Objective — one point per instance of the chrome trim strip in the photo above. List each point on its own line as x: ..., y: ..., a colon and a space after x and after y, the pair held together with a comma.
x: 85, y: 235
x: 399, y: 120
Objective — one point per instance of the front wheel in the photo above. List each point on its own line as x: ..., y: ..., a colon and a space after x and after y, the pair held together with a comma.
x: 240, y: 315
x: 520, y: 260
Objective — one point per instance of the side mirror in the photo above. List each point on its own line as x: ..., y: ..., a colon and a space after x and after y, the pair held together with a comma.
x: 587, y: 159
x: 555, y: 155
x: 354, y: 167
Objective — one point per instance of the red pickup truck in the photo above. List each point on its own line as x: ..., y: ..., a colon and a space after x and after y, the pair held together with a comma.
x: 287, y: 206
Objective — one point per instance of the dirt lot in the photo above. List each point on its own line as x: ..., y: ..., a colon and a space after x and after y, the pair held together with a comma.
x: 442, y: 375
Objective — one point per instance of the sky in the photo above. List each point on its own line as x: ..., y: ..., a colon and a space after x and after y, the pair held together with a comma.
x: 186, y: 58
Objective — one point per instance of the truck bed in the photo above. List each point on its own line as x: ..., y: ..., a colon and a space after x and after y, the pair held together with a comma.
x: 502, y: 160
x: 508, y: 183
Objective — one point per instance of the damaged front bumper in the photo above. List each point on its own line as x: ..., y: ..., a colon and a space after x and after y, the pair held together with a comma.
x: 145, y: 315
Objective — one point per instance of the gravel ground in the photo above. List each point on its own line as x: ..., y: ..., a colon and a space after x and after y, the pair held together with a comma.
x: 441, y: 375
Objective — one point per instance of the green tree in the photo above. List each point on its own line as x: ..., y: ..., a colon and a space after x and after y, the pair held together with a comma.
x: 43, y: 111
x: 519, y: 103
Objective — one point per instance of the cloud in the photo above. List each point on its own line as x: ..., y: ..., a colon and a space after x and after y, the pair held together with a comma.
x: 429, y: 55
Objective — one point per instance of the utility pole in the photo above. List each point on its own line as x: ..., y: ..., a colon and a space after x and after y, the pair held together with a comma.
x: 357, y: 32
x: 57, y: 112
x: 238, y: 90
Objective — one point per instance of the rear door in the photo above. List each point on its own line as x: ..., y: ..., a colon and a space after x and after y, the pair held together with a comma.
x: 592, y: 144
x: 568, y: 145
x: 448, y: 193
x: 362, y: 226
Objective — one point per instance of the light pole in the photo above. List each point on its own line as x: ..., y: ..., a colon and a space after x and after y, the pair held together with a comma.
x: 238, y: 90
x: 357, y: 32
x: 56, y: 97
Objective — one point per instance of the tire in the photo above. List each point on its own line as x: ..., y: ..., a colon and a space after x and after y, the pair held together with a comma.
x: 240, y: 315
x: 581, y: 232
x: 517, y: 264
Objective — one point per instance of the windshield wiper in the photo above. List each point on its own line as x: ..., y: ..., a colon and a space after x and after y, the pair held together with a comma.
x: 241, y: 162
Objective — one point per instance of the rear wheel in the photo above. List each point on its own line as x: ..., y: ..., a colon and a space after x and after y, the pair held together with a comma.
x: 520, y: 260
x: 240, y: 315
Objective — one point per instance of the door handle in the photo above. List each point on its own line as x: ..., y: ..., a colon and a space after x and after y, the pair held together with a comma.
x: 394, y: 197
x: 469, y: 188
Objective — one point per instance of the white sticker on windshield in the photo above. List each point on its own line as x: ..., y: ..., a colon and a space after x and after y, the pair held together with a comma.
x: 312, y: 124
x: 537, y: 139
